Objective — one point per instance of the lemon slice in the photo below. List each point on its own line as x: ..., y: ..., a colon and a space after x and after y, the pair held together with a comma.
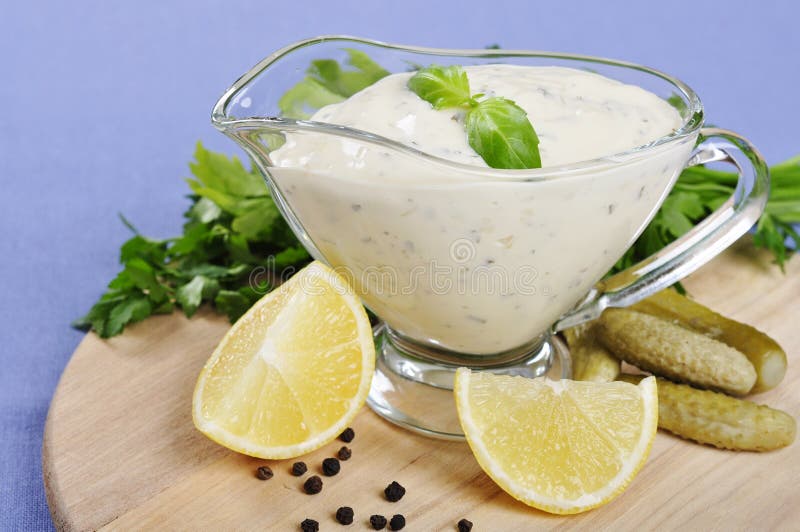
x: 560, y: 446
x: 292, y: 373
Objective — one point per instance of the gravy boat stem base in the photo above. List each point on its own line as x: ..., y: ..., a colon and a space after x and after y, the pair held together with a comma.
x: 414, y: 389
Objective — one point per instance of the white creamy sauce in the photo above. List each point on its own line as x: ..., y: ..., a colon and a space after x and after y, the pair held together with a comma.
x: 458, y: 258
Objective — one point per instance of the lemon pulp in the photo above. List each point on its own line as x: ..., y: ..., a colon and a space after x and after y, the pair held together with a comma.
x: 292, y: 372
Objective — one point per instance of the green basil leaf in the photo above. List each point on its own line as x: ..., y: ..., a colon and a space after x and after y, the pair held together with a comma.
x: 441, y: 86
x: 500, y: 132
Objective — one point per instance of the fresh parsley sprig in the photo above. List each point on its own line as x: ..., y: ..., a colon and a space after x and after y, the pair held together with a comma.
x: 327, y: 81
x: 700, y: 190
x: 497, y: 128
x: 234, y: 244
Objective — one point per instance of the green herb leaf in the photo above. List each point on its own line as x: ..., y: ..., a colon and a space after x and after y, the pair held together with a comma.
x: 700, y: 190
x: 143, y: 248
x: 205, y: 210
x: 441, y: 86
x: 500, y: 132
x: 258, y: 220
x: 497, y: 128
x: 143, y: 276
x: 306, y: 97
x: 328, y: 82
x: 191, y: 295
x: 289, y: 257
x: 226, y: 174
x: 125, y: 312
x: 235, y: 303
x: 97, y: 316
x: 330, y: 74
x: 364, y: 64
x: 679, y: 213
x: 772, y: 233
x: 232, y: 227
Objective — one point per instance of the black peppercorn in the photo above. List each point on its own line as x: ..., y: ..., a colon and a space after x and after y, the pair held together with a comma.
x: 397, y: 522
x: 345, y: 453
x: 313, y: 485
x: 345, y: 515
x: 348, y: 435
x: 378, y: 522
x: 394, y: 492
x: 464, y: 525
x: 309, y: 525
x: 299, y: 469
x: 264, y: 473
x: 330, y: 466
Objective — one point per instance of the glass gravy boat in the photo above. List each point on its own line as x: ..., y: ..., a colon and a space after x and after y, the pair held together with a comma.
x: 464, y: 265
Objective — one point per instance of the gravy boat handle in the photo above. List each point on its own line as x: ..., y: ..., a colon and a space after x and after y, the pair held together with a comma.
x: 695, y: 248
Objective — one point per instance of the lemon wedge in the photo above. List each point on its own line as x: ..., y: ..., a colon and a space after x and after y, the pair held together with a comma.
x: 560, y: 446
x: 292, y: 373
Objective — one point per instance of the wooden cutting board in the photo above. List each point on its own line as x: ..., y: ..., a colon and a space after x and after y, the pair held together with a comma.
x: 120, y: 451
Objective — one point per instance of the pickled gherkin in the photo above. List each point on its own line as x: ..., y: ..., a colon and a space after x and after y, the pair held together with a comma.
x: 669, y: 350
x: 590, y: 360
x: 767, y: 357
x: 719, y: 420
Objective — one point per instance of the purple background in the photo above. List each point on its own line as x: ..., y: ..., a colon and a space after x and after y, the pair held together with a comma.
x: 104, y: 101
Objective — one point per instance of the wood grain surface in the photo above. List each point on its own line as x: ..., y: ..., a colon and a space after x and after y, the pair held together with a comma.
x: 120, y: 451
